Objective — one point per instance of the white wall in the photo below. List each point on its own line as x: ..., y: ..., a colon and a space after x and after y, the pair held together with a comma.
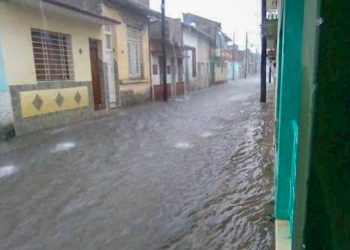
x: 156, y: 78
x: 6, y: 117
x: 191, y: 39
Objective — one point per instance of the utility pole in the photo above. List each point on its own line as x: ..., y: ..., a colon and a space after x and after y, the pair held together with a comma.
x: 246, y: 55
x: 165, y: 87
x: 263, y: 53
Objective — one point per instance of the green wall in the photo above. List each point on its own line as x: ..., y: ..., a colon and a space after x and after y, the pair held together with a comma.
x: 288, y: 102
x: 310, y: 45
x: 327, y: 221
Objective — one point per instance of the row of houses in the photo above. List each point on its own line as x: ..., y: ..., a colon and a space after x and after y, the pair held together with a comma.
x: 241, y: 63
x: 63, y: 61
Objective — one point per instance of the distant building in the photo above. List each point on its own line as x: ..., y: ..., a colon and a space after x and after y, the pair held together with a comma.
x: 196, y: 49
x: 271, y: 28
x: 218, y: 46
x: 187, y: 58
x: 175, y: 58
x: 235, y: 63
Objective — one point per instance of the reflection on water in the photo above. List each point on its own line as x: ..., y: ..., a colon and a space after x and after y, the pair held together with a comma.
x: 174, y: 176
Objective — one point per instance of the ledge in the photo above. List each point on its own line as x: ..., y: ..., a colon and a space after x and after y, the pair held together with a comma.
x: 133, y: 81
x: 283, y: 241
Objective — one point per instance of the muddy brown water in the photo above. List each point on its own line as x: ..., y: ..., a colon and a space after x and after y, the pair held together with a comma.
x: 196, y: 173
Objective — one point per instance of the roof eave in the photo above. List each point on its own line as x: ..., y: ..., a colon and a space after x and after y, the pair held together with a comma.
x: 103, y: 19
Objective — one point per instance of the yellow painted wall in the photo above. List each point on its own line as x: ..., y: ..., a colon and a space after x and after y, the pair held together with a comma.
x: 121, y: 44
x: 16, y: 21
x: 220, y: 76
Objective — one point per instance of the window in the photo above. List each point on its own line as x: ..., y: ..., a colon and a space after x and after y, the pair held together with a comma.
x: 52, y: 56
x: 155, y: 69
x: 108, y: 31
x: 274, y: 4
x: 109, y: 41
x: 134, y: 42
x: 168, y: 69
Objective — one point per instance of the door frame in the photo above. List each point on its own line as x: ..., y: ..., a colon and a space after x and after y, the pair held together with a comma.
x: 98, y: 45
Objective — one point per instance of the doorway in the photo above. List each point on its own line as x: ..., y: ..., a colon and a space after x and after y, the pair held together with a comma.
x: 95, y: 74
x: 113, y: 88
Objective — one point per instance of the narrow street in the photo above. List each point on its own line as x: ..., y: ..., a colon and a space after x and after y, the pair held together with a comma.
x: 196, y: 173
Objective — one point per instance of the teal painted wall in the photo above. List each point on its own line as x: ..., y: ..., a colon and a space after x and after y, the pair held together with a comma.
x: 233, y: 67
x: 230, y: 68
x: 289, y: 87
x: 3, y: 85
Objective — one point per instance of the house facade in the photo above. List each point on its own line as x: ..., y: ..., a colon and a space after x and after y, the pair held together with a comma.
x: 131, y: 46
x: 175, y: 58
x: 235, y: 63
x: 187, y: 58
x: 52, y: 65
x: 218, y: 46
x: 196, y: 50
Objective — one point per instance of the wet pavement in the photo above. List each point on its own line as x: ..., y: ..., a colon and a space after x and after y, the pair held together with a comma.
x: 196, y: 173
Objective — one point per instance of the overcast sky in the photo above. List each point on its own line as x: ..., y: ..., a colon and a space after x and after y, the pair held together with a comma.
x: 236, y: 16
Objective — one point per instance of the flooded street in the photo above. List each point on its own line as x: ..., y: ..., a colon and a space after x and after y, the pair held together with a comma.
x: 196, y: 173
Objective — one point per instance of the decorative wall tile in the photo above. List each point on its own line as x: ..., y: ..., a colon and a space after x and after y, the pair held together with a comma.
x: 38, y: 102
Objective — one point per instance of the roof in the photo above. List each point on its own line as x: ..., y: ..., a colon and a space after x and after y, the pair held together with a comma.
x: 227, y: 38
x: 203, y: 18
x: 81, y: 11
x: 196, y: 30
x: 135, y: 6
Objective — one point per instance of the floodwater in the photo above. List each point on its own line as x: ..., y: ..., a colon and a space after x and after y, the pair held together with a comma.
x: 196, y: 173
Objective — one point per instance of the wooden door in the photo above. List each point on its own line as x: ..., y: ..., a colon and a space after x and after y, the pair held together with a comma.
x: 96, y: 85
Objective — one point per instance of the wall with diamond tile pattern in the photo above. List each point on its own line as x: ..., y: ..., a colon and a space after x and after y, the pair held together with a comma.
x: 40, y: 102
x: 50, y: 104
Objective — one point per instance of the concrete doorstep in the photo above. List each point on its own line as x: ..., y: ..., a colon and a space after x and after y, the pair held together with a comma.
x: 283, y: 241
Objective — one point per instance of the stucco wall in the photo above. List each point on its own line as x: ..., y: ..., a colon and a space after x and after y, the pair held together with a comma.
x: 121, y: 41
x: 203, y: 58
x: 16, y: 22
x: 5, y: 109
x: 156, y: 78
x: 35, y: 104
x: 190, y: 39
x: 139, y: 91
x: 220, y: 75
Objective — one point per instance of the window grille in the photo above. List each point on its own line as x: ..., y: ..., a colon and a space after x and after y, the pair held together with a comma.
x: 52, y: 56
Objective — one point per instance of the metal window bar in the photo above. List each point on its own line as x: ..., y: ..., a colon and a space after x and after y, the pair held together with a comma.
x: 52, y: 56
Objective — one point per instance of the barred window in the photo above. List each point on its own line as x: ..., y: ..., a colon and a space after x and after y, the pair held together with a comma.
x: 134, y: 52
x: 52, y: 56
